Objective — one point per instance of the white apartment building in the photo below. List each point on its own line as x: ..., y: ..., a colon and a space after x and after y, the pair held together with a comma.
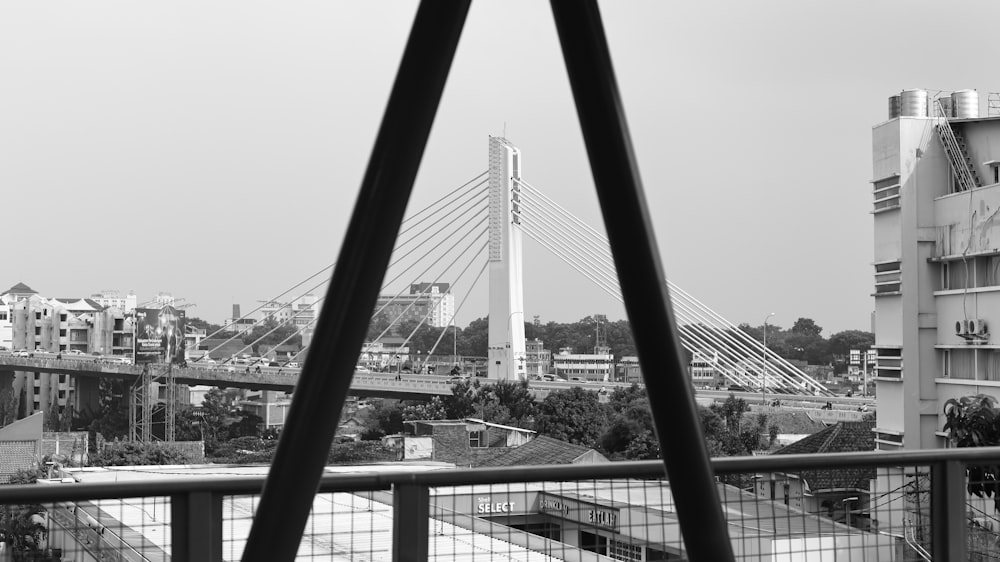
x: 591, y: 367
x: 936, y: 270
x: 431, y: 303
x: 115, y: 299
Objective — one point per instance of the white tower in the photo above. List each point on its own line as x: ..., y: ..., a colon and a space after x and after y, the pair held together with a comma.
x: 506, y: 341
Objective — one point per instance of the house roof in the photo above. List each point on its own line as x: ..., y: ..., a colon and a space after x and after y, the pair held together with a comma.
x: 81, y: 304
x: 21, y: 289
x: 842, y: 437
x: 540, y: 450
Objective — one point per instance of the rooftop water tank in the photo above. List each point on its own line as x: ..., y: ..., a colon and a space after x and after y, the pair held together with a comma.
x: 965, y: 104
x: 913, y: 103
x: 893, y: 107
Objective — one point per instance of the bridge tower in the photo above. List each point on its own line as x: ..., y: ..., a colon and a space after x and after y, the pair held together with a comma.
x: 506, y: 359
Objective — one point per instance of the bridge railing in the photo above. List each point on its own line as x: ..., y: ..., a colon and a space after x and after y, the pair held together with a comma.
x: 856, y: 506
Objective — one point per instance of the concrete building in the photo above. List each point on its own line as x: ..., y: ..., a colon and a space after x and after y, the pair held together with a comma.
x: 431, y: 303
x: 704, y: 370
x: 936, y: 265
x: 628, y: 370
x: 936, y: 271
x: 592, y: 367
x: 538, y: 360
x: 115, y: 299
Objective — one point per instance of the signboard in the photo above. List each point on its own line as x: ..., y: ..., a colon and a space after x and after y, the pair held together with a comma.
x: 588, y: 513
x: 872, y: 356
x: 159, y: 335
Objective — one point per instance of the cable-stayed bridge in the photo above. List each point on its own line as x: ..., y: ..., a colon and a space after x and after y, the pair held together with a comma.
x: 476, y: 229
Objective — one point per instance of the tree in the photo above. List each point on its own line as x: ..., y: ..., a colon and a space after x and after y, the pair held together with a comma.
x: 270, y: 334
x: 216, y: 417
x: 806, y: 327
x: 386, y: 418
x: 126, y: 453
x: 247, y: 425
x: 574, y: 415
x: 22, y: 526
x: 842, y: 343
x: 432, y: 409
x: 200, y: 324
x: 52, y: 418
x: 111, y: 419
x: 517, y: 399
x: 463, y: 400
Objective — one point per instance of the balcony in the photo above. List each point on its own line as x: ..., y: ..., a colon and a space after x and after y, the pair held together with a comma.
x: 915, y: 508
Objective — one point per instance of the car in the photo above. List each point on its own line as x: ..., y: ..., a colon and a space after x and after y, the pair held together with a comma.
x: 22, y: 353
x: 293, y: 365
x: 74, y: 352
x: 361, y: 369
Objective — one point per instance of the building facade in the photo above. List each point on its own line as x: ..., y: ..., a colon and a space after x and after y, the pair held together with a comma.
x: 431, y: 303
x: 936, y: 271
x: 538, y: 360
x: 591, y: 367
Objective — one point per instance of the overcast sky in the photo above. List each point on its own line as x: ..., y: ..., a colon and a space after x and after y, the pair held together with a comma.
x: 213, y: 150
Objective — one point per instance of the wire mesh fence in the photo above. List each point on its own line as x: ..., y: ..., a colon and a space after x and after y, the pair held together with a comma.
x: 855, y: 507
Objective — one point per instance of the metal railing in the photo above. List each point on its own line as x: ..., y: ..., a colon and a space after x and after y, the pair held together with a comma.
x: 851, y: 506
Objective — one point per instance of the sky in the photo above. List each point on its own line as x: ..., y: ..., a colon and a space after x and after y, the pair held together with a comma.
x: 214, y: 150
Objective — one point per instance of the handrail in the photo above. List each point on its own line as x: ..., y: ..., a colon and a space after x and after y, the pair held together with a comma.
x: 354, y: 482
x: 953, y: 151
x: 912, y: 541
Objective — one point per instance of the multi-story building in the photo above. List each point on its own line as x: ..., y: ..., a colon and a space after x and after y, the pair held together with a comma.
x: 704, y: 370
x: 592, y: 367
x: 431, y: 303
x: 936, y: 270
x: 538, y: 360
x: 115, y: 299
x: 936, y: 264
x: 56, y: 325
x: 628, y: 370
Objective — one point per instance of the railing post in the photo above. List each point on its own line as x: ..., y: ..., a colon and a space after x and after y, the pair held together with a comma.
x: 948, y: 525
x: 411, y: 512
x: 196, y: 527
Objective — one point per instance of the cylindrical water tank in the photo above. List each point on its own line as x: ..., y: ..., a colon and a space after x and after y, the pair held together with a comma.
x: 942, y: 107
x: 965, y: 104
x: 913, y: 103
x: 893, y: 107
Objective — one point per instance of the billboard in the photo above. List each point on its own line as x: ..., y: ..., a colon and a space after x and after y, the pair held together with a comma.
x: 159, y: 335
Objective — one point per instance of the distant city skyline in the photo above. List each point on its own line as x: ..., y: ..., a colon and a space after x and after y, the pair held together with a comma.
x: 215, y: 151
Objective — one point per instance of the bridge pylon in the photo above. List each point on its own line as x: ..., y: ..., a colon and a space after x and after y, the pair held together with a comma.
x: 506, y: 353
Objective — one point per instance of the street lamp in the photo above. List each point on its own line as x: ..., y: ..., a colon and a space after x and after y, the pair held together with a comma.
x: 763, y: 370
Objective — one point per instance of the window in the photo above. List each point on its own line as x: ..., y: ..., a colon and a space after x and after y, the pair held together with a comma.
x: 62, y: 317
x: 3, y: 314
x: 624, y: 551
x: 887, y: 277
x: 38, y: 330
x: 62, y: 333
x: 38, y: 315
x: 477, y: 439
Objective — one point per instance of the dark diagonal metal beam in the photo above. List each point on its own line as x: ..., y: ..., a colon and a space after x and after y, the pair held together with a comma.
x: 340, y: 330
x: 623, y: 204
